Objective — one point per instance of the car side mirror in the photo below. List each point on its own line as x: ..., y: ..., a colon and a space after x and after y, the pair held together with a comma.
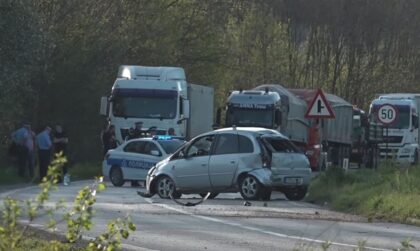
x: 155, y: 153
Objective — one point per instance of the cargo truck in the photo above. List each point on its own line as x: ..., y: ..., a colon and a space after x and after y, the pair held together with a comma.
x: 335, y: 135
x: 159, y: 98
x: 401, y: 135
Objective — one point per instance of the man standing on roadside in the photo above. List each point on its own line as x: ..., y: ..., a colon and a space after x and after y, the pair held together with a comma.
x: 60, y: 141
x: 44, y: 151
x: 23, y: 138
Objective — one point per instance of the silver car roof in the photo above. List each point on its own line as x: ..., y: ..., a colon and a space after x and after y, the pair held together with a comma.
x: 250, y: 130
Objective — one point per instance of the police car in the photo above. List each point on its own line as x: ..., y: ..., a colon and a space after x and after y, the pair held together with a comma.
x: 132, y: 160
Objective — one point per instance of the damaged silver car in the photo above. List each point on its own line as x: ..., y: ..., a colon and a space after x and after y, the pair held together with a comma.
x: 252, y: 161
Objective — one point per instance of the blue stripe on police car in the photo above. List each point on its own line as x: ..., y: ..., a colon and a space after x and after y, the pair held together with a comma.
x: 138, y: 164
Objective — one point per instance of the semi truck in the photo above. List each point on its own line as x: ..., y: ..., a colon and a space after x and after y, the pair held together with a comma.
x: 401, y: 135
x: 282, y: 109
x: 158, y: 98
x: 333, y: 135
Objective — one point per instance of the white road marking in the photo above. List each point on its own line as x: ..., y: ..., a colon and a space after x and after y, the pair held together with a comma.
x: 239, y: 225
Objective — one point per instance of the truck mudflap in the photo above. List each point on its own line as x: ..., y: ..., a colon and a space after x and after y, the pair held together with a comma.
x: 263, y: 175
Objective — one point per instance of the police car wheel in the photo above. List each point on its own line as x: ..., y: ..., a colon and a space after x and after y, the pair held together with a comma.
x: 116, y: 176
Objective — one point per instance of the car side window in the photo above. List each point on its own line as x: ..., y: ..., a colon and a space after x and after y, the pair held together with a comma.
x: 226, y: 144
x: 245, y: 144
x: 149, y: 147
x: 200, y: 147
x: 134, y: 147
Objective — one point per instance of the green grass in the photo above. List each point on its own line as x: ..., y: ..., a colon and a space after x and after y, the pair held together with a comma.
x: 78, y: 171
x: 86, y: 170
x: 9, y: 176
x: 390, y: 193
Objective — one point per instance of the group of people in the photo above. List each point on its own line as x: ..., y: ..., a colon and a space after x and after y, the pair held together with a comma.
x: 47, y: 143
x: 109, y: 140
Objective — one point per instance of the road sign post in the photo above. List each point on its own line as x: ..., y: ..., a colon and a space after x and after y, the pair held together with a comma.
x: 320, y: 109
x: 387, y: 114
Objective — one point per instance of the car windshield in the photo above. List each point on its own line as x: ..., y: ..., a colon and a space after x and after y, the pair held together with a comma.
x: 249, y: 117
x: 144, y: 104
x: 282, y: 145
x: 170, y: 146
x: 401, y: 122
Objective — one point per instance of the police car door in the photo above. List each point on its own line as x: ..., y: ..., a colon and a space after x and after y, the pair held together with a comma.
x: 139, y: 160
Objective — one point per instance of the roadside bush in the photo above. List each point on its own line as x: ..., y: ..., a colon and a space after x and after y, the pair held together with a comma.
x: 391, y: 192
x: 79, y: 218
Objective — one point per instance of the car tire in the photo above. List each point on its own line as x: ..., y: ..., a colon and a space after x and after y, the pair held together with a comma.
x: 166, y: 186
x: 211, y: 196
x: 416, y: 158
x: 266, y: 193
x: 250, y: 188
x: 295, y: 194
x: 116, y: 176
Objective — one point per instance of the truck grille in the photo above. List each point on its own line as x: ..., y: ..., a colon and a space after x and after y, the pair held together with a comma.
x: 393, y: 139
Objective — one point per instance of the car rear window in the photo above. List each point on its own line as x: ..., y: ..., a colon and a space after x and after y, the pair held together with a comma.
x: 170, y: 146
x: 282, y: 145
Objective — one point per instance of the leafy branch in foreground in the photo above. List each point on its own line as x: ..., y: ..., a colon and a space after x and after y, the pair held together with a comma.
x: 79, y: 218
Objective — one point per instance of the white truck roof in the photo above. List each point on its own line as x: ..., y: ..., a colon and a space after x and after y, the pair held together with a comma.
x: 136, y: 72
x: 399, y: 96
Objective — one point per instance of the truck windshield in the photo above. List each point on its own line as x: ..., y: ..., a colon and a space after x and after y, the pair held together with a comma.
x: 402, y: 121
x: 144, y: 105
x: 249, y: 117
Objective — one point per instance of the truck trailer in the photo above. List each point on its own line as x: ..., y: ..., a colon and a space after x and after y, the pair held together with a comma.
x: 159, y: 98
x: 334, y: 135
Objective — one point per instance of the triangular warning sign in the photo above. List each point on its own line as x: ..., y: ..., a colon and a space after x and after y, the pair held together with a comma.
x: 319, y: 107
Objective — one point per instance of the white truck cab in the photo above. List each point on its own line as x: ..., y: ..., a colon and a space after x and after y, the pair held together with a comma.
x: 401, y: 136
x: 157, y: 97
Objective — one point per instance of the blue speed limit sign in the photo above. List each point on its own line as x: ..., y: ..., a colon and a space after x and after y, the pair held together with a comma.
x: 387, y: 114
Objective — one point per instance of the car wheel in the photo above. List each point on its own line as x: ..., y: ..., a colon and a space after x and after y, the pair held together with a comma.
x: 166, y: 186
x: 250, y: 188
x: 266, y: 193
x: 211, y: 196
x: 116, y: 176
x: 295, y: 194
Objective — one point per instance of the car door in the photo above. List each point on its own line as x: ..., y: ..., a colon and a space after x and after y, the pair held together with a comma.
x: 132, y: 152
x: 191, y: 170
x: 139, y: 157
x: 224, y: 160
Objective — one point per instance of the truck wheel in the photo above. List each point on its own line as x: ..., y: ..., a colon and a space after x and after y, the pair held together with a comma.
x: 211, y: 196
x: 166, y: 186
x: 416, y: 158
x: 116, y: 176
x: 266, y: 193
x: 250, y: 188
x: 295, y: 194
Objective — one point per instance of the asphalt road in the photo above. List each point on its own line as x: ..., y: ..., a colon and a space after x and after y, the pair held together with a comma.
x: 226, y: 224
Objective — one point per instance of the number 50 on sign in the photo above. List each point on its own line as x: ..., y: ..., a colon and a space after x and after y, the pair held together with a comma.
x: 387, y: 114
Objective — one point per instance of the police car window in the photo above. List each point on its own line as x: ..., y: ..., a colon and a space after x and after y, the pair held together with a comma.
x: 149, y: 147
x: 201, y: 146
x: 134, y: 147
x: 170, y: 146
x: 226, y: 144
x: 245, y: 144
